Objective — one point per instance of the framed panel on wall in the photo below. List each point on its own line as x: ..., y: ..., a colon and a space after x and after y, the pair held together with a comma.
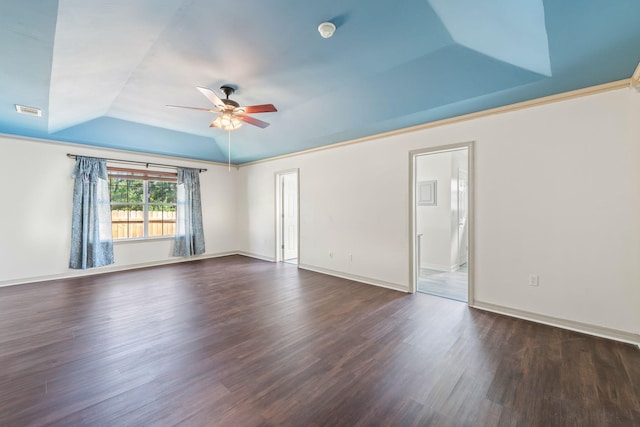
x: 427, y: 193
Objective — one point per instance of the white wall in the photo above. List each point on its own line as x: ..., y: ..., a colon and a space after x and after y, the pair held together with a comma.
x: 347, y: 207
x: 557, y: 194
x: 36, y: 211
x: 434, y: 222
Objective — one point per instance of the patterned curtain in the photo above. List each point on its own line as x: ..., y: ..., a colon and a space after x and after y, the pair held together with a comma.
x: 91, y: 241
x: 189, y: 239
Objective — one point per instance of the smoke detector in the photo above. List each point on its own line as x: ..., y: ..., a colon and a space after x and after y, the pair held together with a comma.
x: 326, y: 29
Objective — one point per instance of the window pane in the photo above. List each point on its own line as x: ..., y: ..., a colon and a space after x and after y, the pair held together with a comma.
x: 171, y: 192
x: 126, y: 190
x: 136, y: 221
x: 162, y: 219
x: 118, y: 190
x: 127, y: 221
x: 162, y: 192
x: 119, y: 221
x: 135, y: 191
x: 156, y: 192
x: 155, y: 222
x: 169, y: 229
x: 169, y: 224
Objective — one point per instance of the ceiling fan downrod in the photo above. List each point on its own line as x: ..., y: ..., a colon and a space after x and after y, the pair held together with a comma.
x: 228, y: 90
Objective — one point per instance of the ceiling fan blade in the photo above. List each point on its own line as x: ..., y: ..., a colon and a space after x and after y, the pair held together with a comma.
x: 211, y: 96
x: 193, y: 108
x: 265, y: 108
x: 253, y: 121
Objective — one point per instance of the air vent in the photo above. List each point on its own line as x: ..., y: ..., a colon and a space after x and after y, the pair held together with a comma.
x: 31, y: 111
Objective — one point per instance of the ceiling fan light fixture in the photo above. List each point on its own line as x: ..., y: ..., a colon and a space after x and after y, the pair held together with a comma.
x: 227, y: 121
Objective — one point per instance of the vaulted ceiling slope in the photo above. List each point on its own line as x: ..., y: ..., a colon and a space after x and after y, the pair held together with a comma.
x: 103, y: 71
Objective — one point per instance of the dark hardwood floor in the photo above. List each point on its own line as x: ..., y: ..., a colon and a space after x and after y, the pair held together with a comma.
x: 241, y: 342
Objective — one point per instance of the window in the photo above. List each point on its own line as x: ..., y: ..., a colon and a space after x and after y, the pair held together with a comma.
x: 143, y: 203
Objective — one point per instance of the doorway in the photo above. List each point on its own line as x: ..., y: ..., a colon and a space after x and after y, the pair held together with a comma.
x: 441, y: 221
x: 287, y: 216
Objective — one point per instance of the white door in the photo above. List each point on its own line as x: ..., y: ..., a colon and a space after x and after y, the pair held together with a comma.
x: 289, y: 216
x: 463, y: 208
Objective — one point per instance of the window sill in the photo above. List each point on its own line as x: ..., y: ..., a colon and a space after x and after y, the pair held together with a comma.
x: 142, y: 240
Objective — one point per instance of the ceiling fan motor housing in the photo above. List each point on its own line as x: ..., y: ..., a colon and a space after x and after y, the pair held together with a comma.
x: 229, y: 102
x: 228, y: 90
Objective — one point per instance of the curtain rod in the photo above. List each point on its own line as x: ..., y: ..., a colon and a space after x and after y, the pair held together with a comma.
x: 131, y: 162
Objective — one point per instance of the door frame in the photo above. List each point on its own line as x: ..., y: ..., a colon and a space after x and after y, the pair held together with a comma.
x: 466, y: 251
x: 413, y: 239
x: 278, y: 230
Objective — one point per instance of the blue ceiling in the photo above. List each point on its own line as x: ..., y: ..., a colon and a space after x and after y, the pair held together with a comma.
x: 104, y: 71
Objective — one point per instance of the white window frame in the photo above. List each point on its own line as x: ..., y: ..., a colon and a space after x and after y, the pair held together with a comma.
x: 145, y: 176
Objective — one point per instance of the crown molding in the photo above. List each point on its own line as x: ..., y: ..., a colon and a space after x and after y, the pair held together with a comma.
x: 635, y: 78
x: 591, y: 90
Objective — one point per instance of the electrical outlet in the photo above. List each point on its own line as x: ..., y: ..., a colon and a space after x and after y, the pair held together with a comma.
x: 533, y: 280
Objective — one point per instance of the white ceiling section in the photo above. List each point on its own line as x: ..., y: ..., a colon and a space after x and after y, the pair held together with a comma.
x: 511, y: 31
x: 98, y: 45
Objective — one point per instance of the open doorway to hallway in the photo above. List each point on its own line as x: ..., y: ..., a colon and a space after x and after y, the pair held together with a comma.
x: 441, y: 222
x: 287, y: 216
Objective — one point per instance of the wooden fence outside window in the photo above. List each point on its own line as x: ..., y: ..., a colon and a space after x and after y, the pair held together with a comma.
x: 130, y: 224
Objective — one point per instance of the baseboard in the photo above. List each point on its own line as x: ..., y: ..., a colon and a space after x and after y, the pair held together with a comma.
x: 256, y: 256
x: 439, y: 267
x: 355, y: 278
x: 110, y: 269
x: 585, y: 328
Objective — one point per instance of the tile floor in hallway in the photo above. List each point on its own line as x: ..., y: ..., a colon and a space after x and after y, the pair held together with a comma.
x: 446, y: 284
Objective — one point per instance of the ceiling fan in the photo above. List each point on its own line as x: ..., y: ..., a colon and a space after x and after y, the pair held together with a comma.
x: 232, y: 115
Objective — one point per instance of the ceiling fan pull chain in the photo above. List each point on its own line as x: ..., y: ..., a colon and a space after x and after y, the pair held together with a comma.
x: 229, y: 150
